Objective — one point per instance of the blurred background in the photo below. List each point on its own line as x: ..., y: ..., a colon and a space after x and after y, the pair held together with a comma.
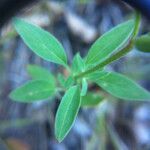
x: 114, y: 124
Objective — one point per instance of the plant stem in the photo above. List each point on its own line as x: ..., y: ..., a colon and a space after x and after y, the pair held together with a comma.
x: 119, y: 54
x: 137, y: 24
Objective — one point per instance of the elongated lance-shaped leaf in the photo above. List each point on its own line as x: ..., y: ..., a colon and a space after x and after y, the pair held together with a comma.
x: 143, y: 43
x: 109, y: 43
x: 40, y: 73
x: 122, y: 87
x: 33, y: 91
x: 67, y: 112
x: 78, y: 64
x: 41, y: 42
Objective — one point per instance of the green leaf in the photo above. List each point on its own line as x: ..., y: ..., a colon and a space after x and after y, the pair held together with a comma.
x: 109, y: 43
x: 40, y: 73
x: 33, y: 91
x: 143, y: 43
x: 61, y: 79
x: 65, y: 82
x: 69, y: 82
x: 97, y: 74
x: 84, y: 87
x: 78, y: 64
x: 122, y: 87
x: 67, y: 112
x: 41, y: 42
x: 91, y: 99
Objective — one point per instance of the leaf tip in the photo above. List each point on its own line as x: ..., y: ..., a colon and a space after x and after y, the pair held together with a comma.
x: 12, y: 96
x: 15, y: 21
x: 58, y: 137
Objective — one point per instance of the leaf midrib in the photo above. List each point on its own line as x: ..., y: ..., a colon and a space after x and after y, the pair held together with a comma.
x: 41, y: 91
x: 146, y: 92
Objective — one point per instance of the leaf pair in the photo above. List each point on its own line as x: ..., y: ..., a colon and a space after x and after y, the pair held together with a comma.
x: 48, y: 47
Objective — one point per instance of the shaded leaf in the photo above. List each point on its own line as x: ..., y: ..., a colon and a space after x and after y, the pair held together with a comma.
x: 41, y: 42
x: 40, y: 73
x: 109, y: 43
x: 67, y: 112
x: 143, y: 43
x: 61, y: 79
x: 122, y: 87
x: 33, y: 91
x: 91, y: 99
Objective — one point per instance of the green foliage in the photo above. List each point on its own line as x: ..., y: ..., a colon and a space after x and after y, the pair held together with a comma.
x: 91, y: 99
x: 78, y: 64
x: 122, y: 87
x: 61, y: 79
x: 84, y: 87
x: 69, y: 82
x: 96, y: 75
x: 41, y: 42
x: 65, y: 82
x: 108, y: 48
x: 109, y: 43
x: 143, y: 43
x: 39, y: 73
x: 67, y: 112
x: 33, y: 91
